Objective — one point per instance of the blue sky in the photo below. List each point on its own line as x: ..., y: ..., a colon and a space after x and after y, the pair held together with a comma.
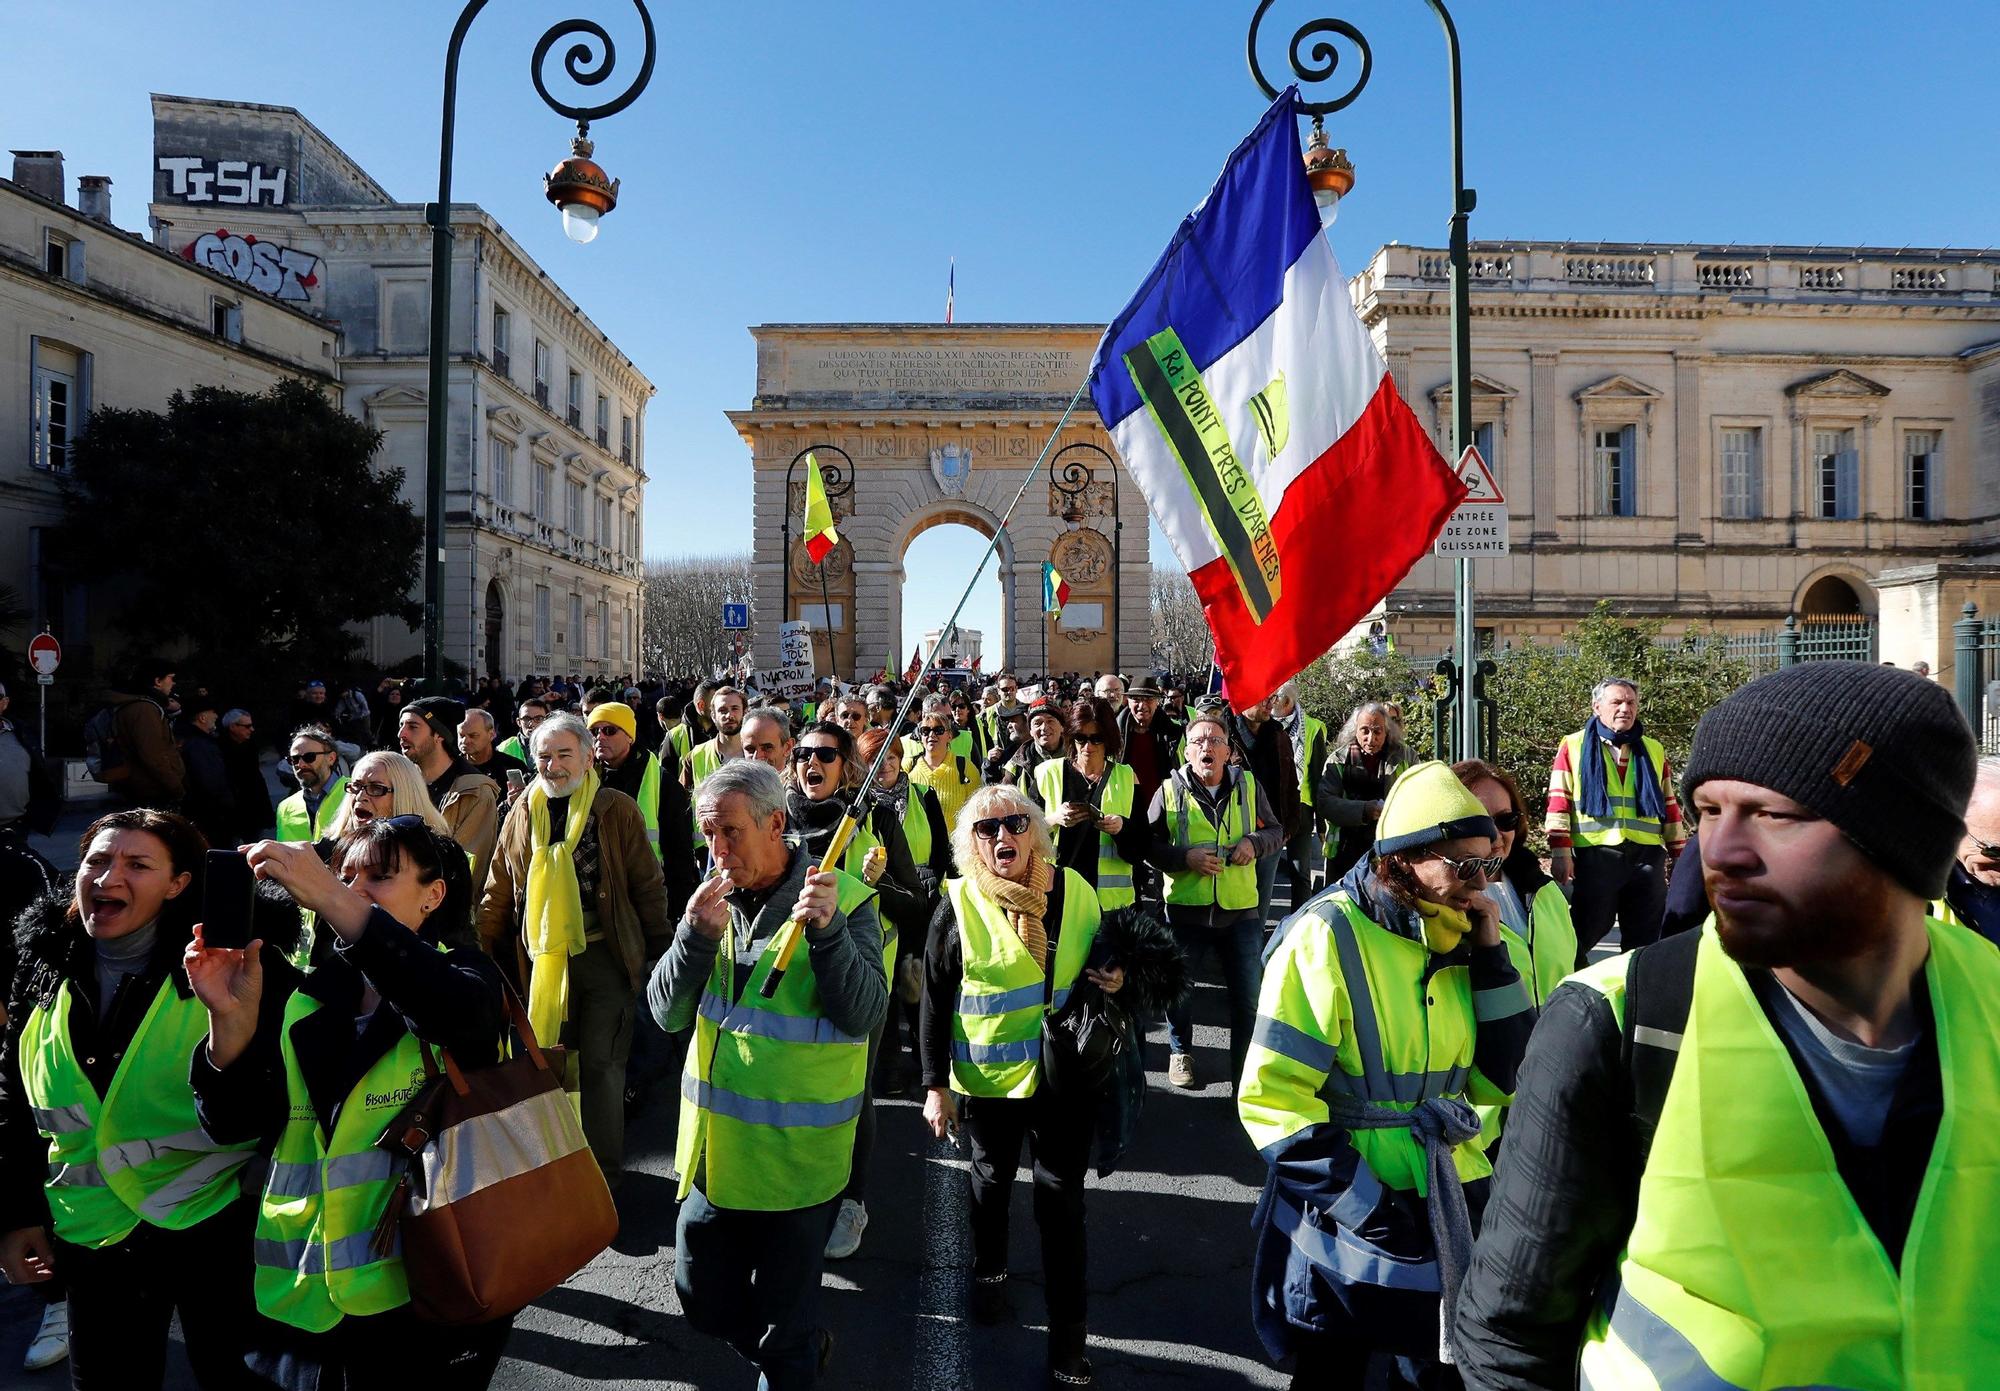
x: 795, y: 162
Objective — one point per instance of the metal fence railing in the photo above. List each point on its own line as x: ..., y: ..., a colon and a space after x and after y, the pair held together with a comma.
x: 1816, y: 640
x: 1976, y: 661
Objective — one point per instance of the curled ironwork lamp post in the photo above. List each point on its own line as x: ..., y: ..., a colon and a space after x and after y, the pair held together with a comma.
x: 577, y: 186
x: 1314, y: 57
x: 839, y: 483
x: 1072, y: 479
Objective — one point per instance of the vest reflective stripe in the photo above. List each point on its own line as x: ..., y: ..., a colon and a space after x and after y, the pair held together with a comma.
x: 139, y: 1154
x: 1749, y: 1264
x: 649, y: 802
x: 771, y: 1090
x: 1347, y: 1007
x: 787, y: 1028
x: 294, y: 824
x: 1624, y: 824
x: 324, y: 1196
x: 996, y: 1047
x: 1236, y: 887
x: 1114, y: 875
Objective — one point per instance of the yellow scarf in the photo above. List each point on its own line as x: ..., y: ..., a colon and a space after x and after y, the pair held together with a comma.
x: 553, y: 925
x: 1444, y: 926
x: 1024, y: 904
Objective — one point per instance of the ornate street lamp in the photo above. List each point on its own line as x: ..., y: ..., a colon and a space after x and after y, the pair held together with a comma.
x: 839, y: 483
x: 577, y: 186
x: 1073, y: 480
x: 1332, y: 178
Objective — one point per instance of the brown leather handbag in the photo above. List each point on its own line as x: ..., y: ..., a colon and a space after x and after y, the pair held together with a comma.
x: 501, y: 1199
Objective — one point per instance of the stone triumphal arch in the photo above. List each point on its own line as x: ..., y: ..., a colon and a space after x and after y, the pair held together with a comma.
x: 916, y: 425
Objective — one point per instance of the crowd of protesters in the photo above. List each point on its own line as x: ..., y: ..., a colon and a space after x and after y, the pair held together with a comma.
x: 1720, y: 1162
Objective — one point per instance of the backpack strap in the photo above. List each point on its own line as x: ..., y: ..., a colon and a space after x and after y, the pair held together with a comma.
x: 1659, y: 993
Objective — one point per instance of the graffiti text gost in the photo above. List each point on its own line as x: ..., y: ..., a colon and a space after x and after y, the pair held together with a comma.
x: 280, y: 271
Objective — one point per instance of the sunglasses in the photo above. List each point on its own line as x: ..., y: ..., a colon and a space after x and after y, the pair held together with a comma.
x: 1088, y: 738
x: 818, y: 751
x: 296, y: 759
x: 1987, y: 850
x: 373, y: 789
x: 1507, y: 820
x: 991, y: 827
x: 928, y: 730
x: 1470, y: 866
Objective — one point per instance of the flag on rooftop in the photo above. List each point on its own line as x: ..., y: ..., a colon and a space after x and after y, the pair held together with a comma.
x: 1295, y: 485
x: 820, y: 536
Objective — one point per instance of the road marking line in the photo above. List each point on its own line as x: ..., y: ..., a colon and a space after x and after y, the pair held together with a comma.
x: 941, y: 1290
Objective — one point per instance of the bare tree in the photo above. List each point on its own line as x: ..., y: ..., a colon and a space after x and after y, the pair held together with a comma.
x: 683, y: 603
x: 1181, y: 641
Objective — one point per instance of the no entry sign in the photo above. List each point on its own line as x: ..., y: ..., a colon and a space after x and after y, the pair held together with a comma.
x: 44, y: 654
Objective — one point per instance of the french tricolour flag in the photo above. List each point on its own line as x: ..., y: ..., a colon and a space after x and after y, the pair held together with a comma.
x: 1256, y: 416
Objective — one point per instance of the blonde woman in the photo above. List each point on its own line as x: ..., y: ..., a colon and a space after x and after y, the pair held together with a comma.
x: 385, y: 785
x: 1013, y: 935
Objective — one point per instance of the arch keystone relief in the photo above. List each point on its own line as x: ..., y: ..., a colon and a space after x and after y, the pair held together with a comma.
x: 941, y: 422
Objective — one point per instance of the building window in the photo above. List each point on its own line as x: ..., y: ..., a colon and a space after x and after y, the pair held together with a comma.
x: 1920, y: 474
x: 1742, y: 473
x: 575, y: 622
x: 603, y: 422
x: 1836, y: 495
x: 225, y: 320
x: 604, y: 628
x: 503, y: 339
x: 576, y: 509
x: 542, y: 644
x: 631, y: 639
x: 1614, y: 466
x: 542, y: 370
x: 631, y: 533
x: 575, y: 400
x: 55, y: 254
x: 545, y: 487
x: 503, y: 473
x: 625, y: 439
x: 1486, y: 439
x: 604, y: 521
x: 54, y: 418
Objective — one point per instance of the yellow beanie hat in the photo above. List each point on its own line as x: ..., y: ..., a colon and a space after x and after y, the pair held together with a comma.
x: 1428, y: 804
x: 614, y: 712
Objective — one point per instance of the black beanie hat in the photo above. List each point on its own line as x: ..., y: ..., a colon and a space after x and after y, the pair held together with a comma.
x: 441, y: 713
x: 1881, y: 753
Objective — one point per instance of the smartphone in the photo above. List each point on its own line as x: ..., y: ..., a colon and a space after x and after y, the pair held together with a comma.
x: 516, y: 780
x: 228, y: 894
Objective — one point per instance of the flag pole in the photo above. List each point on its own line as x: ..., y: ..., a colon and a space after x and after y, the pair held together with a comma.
x: 843, y: 832
x: 826, y: 616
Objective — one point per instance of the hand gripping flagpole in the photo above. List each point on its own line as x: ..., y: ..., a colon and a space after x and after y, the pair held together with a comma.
x: 844, y: 831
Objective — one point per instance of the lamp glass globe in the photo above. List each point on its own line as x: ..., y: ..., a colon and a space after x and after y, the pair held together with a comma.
x: 580, y: 222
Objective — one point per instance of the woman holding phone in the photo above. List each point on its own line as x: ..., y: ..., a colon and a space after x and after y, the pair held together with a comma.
x: 320, y: 1085
x: 107, y: 1177
x: 1012, y: 937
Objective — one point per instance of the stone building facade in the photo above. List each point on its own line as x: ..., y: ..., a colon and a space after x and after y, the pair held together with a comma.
x: 916, y: 425
x: 94, y: 316
x: 1717, y: 434
x: 545, y: 465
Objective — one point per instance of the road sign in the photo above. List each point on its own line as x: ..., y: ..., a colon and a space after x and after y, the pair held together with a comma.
x: 735, y: 617
x: 1479, y: 526
x: 44, y: 654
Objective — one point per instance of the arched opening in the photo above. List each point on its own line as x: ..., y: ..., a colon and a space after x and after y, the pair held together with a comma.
x: 496, y: 629
x: 1830, y: 599
x: 938, y: 554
